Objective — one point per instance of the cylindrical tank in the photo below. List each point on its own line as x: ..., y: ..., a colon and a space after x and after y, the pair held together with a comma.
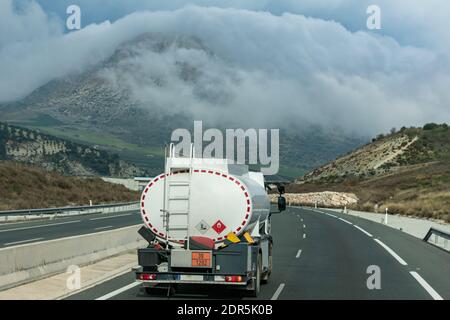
x: 219, y: 203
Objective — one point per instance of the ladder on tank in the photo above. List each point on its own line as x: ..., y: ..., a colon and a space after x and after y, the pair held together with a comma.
x: 177, y: 195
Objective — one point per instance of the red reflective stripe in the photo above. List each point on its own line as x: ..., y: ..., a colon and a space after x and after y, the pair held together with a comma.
x: 203, y: 171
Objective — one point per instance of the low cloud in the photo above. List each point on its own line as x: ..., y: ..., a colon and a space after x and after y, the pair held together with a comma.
x: 263, y: 69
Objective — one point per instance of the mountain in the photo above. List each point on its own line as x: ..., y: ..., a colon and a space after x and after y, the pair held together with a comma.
x: 26, y: 187
x: 407, y: 172
x: 127, y: 105
x: 66, y: 157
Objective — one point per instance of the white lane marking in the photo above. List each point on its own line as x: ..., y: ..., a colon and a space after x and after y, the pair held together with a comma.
x: 40, y: 226
x: 301, y: 220
x: 426, y: 286
x: 346, y: 221
x: 116, y: 216
x: 277, y: 293
x: 298, y: 253
x: 304, y: 236
x: 23, y: 241
x: 118, y: 291
x: 361, y: 229
x: 396, y: 256
x: 100, y: 228
x: 331, y: 215
x: 304, y: 226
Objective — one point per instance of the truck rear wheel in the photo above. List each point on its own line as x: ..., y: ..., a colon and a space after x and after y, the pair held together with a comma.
x: 257, y: 281
x: 266, y: 276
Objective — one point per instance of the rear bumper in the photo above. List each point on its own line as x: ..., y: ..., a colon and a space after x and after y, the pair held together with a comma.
x: 155, y: 282
x: 189, y: 278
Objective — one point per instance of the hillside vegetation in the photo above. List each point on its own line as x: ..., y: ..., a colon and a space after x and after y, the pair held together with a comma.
x: 25, y: 187
x: 407, y: 172
x: 64, y: 156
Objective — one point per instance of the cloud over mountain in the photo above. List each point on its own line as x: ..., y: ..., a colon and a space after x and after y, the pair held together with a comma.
x: 259, y: 68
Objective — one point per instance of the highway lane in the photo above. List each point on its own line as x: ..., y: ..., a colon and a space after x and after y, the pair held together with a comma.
x: 430, y: 262
x: 12, y: 234
x: 325, y: 255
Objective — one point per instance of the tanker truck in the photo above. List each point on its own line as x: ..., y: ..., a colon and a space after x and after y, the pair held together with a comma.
x: 207, y: 222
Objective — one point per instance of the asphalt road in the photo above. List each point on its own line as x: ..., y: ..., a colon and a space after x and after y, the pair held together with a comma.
x: 325, y: 255
x: 12, y: 234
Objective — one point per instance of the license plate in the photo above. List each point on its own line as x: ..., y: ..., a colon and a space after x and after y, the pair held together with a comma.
x: 201, y: 259
x: 191, y: 277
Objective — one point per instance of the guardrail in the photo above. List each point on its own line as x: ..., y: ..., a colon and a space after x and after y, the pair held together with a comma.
x: 441, y: 238
x: 53, y: 212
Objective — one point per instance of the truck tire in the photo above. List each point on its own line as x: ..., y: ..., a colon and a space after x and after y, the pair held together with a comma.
x: 266, y: 276
x: 257, y: 282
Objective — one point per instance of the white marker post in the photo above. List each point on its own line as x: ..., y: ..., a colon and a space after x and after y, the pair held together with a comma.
x: 386, y: 217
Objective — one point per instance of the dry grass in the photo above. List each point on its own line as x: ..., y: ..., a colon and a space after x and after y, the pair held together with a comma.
x: 26, y: 187
x: 420, y: 190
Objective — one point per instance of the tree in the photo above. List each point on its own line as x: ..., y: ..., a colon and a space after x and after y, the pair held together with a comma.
x: 430, y: 126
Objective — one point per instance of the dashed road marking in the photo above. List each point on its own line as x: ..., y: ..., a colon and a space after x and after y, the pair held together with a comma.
x: 277, y: 293
x: 362, y: 230
x: 105, y: 227
x: 118, y: 291
x: 426, y: 286
x: 23, y: 241
x: 41, y: 226
x: 304, y: 236
x: 298, y: 253
x: 110, y: 217
x: 346, y: 221
x: 396, y: 256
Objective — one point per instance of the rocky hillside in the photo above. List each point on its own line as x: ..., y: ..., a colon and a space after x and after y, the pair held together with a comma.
x: 407, y: 172
x: 27, y: 187
x: 66, y: 157
x: 328, y: 199
x: 387, y: 154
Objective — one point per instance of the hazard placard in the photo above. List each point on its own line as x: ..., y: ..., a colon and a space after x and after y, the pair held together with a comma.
x: 219, y: 227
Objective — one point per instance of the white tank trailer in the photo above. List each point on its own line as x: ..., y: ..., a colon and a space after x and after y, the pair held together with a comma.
x: 207, y: 222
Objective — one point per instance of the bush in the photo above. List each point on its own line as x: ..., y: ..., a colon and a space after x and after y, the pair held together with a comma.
x: 430, y: 126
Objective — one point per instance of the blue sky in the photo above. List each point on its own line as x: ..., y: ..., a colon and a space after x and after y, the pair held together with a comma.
x: 313, y: 60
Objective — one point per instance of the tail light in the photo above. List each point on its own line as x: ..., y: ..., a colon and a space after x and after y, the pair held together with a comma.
x: 146, y: 276
x: 233, y: 279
